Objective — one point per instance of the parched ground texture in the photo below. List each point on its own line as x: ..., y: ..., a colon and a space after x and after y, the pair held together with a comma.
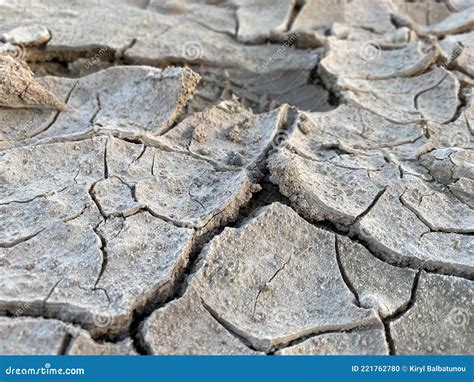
x: 237, y: 177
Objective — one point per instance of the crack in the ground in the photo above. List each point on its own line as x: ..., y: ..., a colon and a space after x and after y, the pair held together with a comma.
x: 371, y: 205
x: 66, y: 344
x: 43, y: 195
x: 352, y: 329
x: 269, y: 194
x: 402, y: 310
x: 52, y: 291
x: 98, y: 109
x: 11, y: 244
x: 426, y: 222
x: 343, y: 273
x: 228, y: 327
x: 420, y: 93
x: 181, y: 285
x: 182, y: 282
x: 297, y: 7
x: 265, y: 286
x: 55, y: 118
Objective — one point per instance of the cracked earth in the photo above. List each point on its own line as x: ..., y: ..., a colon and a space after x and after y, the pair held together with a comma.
x: 236, y: 177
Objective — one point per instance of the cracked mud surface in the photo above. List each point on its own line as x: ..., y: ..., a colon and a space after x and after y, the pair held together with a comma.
x: 227, y: 177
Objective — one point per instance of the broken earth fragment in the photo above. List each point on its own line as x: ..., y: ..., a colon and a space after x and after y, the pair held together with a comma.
x: 22, y: 125
x: 455, y: 23
x: 365, y: 15
x: 19, y: 89
x: 432, y: 95
x: 257, y: 21
x: 144, y: 260
x: 49, y: 168
x: 229, y: 134
x: 23, y: 220
x: 54, y: 272
x: 440, y: 211
x: 443, y: 312
x: 38, y: 336
x: 365, y: 341
x: 191, y: 192
x: 115, y: 197
x: 61, y: 271
x: 283, y: 286
x: 350, y: 129
x: 195, y: 332
x: 167, y: 92
x: 30, y: 336
x: 107, y: 102
x: 378, y: 285
x: 396, y: 232
x: 83, y: 344
x: 322, y: 190
x: 54, y: 262
x: 353, y: 60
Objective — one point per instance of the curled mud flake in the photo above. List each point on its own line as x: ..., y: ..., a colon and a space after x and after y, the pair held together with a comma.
x: 19, y: 89
x: 32, y: 35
